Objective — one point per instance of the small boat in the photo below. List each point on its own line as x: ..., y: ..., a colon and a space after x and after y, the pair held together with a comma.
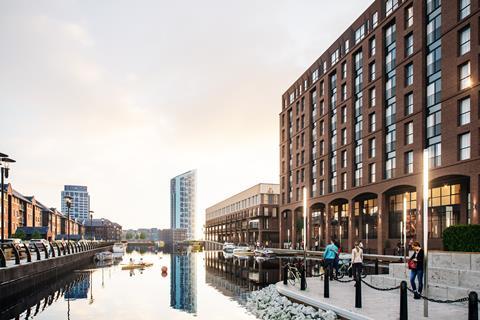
x: 228, y: 247
x: 103, y: 256
x: 141, y: 265
x: 242, y: 252
x: 265, y: 253
x: 119, y: 247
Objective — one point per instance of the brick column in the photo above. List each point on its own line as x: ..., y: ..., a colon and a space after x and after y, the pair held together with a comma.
x: 351, y: 209
x: 293, y: 233
x: 280, y: 228
x: 382, y: 223
x: 327, y: 224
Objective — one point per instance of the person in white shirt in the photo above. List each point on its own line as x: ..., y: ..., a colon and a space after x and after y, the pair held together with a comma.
x: 357, y: 260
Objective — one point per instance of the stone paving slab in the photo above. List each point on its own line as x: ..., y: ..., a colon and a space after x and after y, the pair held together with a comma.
x: 375, y: 304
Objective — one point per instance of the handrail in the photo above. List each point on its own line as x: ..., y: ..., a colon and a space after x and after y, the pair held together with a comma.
x: 46, y: 250
x: 16, y: 253
x: 29, y: 254
x: 38, y: 251
x: 3, y: 259
x: 53, y: 249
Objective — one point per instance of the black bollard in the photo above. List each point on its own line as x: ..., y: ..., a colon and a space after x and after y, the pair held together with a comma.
x: 285, y: 274
x: 303, y: 280
x: 472, y: 306
x: 326, y: 283
x: 403, y: 301
x: 358, y: 291
x: 376, y: 266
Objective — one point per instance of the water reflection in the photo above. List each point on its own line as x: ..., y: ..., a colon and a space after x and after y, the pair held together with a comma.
x: 183, y: 282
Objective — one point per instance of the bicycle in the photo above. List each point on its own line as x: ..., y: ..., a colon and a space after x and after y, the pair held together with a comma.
x: 293, y: 274
x: 346, y: 269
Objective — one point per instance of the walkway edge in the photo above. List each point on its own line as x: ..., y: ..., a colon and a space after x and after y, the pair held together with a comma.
x: 304, y: 298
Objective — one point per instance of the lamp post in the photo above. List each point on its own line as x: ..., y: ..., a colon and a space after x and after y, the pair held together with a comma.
x: 91, y: 223
x: 68, y: 202
x: 4, y: 163
x: 304, y: 226
x: 425, y: 228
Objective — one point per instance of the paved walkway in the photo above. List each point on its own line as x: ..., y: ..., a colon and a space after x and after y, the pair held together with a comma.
x: 375, y: 304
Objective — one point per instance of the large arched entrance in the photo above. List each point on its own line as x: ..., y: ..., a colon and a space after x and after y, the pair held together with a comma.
x: 317, y: 226
x: 365, y: 221
x: 286, y: 229
x: 338, y: 221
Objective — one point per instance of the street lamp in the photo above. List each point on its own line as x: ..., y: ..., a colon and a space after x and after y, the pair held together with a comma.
x: 91, y: 223
x: 68, y: 202
x: 4, y: 163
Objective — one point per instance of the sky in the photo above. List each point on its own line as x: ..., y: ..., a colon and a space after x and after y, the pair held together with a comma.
x: 121, y: 96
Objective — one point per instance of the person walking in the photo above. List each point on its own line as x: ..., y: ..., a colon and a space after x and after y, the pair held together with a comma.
x: 316, y: 245
x: 357, y: 260
x: 415, y: 264
x: 329, y: 255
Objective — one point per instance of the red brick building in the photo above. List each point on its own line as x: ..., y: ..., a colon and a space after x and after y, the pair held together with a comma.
x: 404, y: 77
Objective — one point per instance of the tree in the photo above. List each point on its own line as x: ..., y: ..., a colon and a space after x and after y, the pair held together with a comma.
x: 142, y: 236
x: 136, y: 236
x: 36, y: 235
x: 129, y: 236
x: 20, y: 234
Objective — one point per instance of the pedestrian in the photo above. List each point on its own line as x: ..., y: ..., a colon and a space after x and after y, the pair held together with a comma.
x: 357, y: 260
x: 329, y: 255
x: 360, y: 244
x: 415, y: 264
x: 316, y: 245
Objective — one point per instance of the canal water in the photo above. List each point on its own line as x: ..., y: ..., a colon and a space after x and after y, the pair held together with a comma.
x: 203, y: 285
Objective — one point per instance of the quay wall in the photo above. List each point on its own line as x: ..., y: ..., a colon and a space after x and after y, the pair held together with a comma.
x: 30, y: 276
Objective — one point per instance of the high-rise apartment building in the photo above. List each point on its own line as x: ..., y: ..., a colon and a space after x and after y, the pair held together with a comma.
x: 81, y: 201
x: 183, y: 202
x: 403, y: 78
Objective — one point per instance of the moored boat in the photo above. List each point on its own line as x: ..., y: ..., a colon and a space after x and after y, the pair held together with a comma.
x: 103, y: 256
x: 242, y: 252
x: 265, y: 253
x: 119, y: 247
x: 228, y: 247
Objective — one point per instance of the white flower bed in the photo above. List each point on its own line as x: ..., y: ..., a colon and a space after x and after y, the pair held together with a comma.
x: 268, y: 304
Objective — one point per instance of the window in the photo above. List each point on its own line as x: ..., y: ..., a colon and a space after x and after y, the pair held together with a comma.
x: 372, y: 46
x: 335, y: 56
x: 465, y: 75
x: 409, y: 162
x: 464, y: 8
x: 409, y: 45
x: 344, y: 114
x: 322, y: 167
x: 344, y: 158
x: 371, y: 119
x: 372, y: 172
x: 315, y: 75
x: 409, y: 133
x: 371, y: 148
x: 409, y: 74
x: 409, y: 16
x: 375, y: 20
x: 409, y: 103
x: 344, y: 92
x: 372, y: 71
x: 435, y: 155
x: 372, y: 94
x: 390, y: 5
x: 464, y: 41
x: 347, y: 46
x: 344, y: 70
x: 359, y: 34
x: 464, y: 111
x: 390, y: 165
x: 344, y: 136
x: 344, y: 181
x: 464, y: 146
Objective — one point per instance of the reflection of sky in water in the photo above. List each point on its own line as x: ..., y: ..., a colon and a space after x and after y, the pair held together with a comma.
x: 146, y: 294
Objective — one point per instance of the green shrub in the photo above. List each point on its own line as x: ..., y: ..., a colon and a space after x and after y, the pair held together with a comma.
x: 20, y: 234
x: 464, y: 238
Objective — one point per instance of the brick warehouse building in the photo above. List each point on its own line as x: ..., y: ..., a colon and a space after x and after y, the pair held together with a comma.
x: 247, y: 217
x: 354, y: 126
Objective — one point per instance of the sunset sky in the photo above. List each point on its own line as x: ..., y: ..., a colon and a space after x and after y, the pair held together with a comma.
x: 123, y: 95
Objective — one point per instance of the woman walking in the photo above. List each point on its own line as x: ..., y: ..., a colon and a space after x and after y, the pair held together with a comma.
x: 331, y: 251
x: 415, y: 264
x: 357, y: 261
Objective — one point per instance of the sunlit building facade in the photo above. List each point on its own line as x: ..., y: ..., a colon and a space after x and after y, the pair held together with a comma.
x: 402, y: 79
x: 183, y: 189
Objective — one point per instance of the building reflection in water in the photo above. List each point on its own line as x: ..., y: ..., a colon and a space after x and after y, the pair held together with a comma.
x: 29, y: 304
x: 235, y: 277
x: 183, y: 282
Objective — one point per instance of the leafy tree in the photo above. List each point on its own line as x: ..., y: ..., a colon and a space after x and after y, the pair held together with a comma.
x: 36, y: 235
x: 136, y: 236
x: 20, y: 234
x: 129, y: 236
x: 142, y: 236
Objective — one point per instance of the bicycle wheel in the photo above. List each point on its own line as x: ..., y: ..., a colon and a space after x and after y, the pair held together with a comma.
x: 291, y: 278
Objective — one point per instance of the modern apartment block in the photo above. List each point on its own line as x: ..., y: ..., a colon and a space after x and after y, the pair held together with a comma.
x: 183, y: 189
x: 403, y: 78
x: 250, y: 216
x: 81, y: 201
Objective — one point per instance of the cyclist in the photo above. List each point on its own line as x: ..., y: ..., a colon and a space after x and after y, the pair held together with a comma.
x: 331, y: 251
